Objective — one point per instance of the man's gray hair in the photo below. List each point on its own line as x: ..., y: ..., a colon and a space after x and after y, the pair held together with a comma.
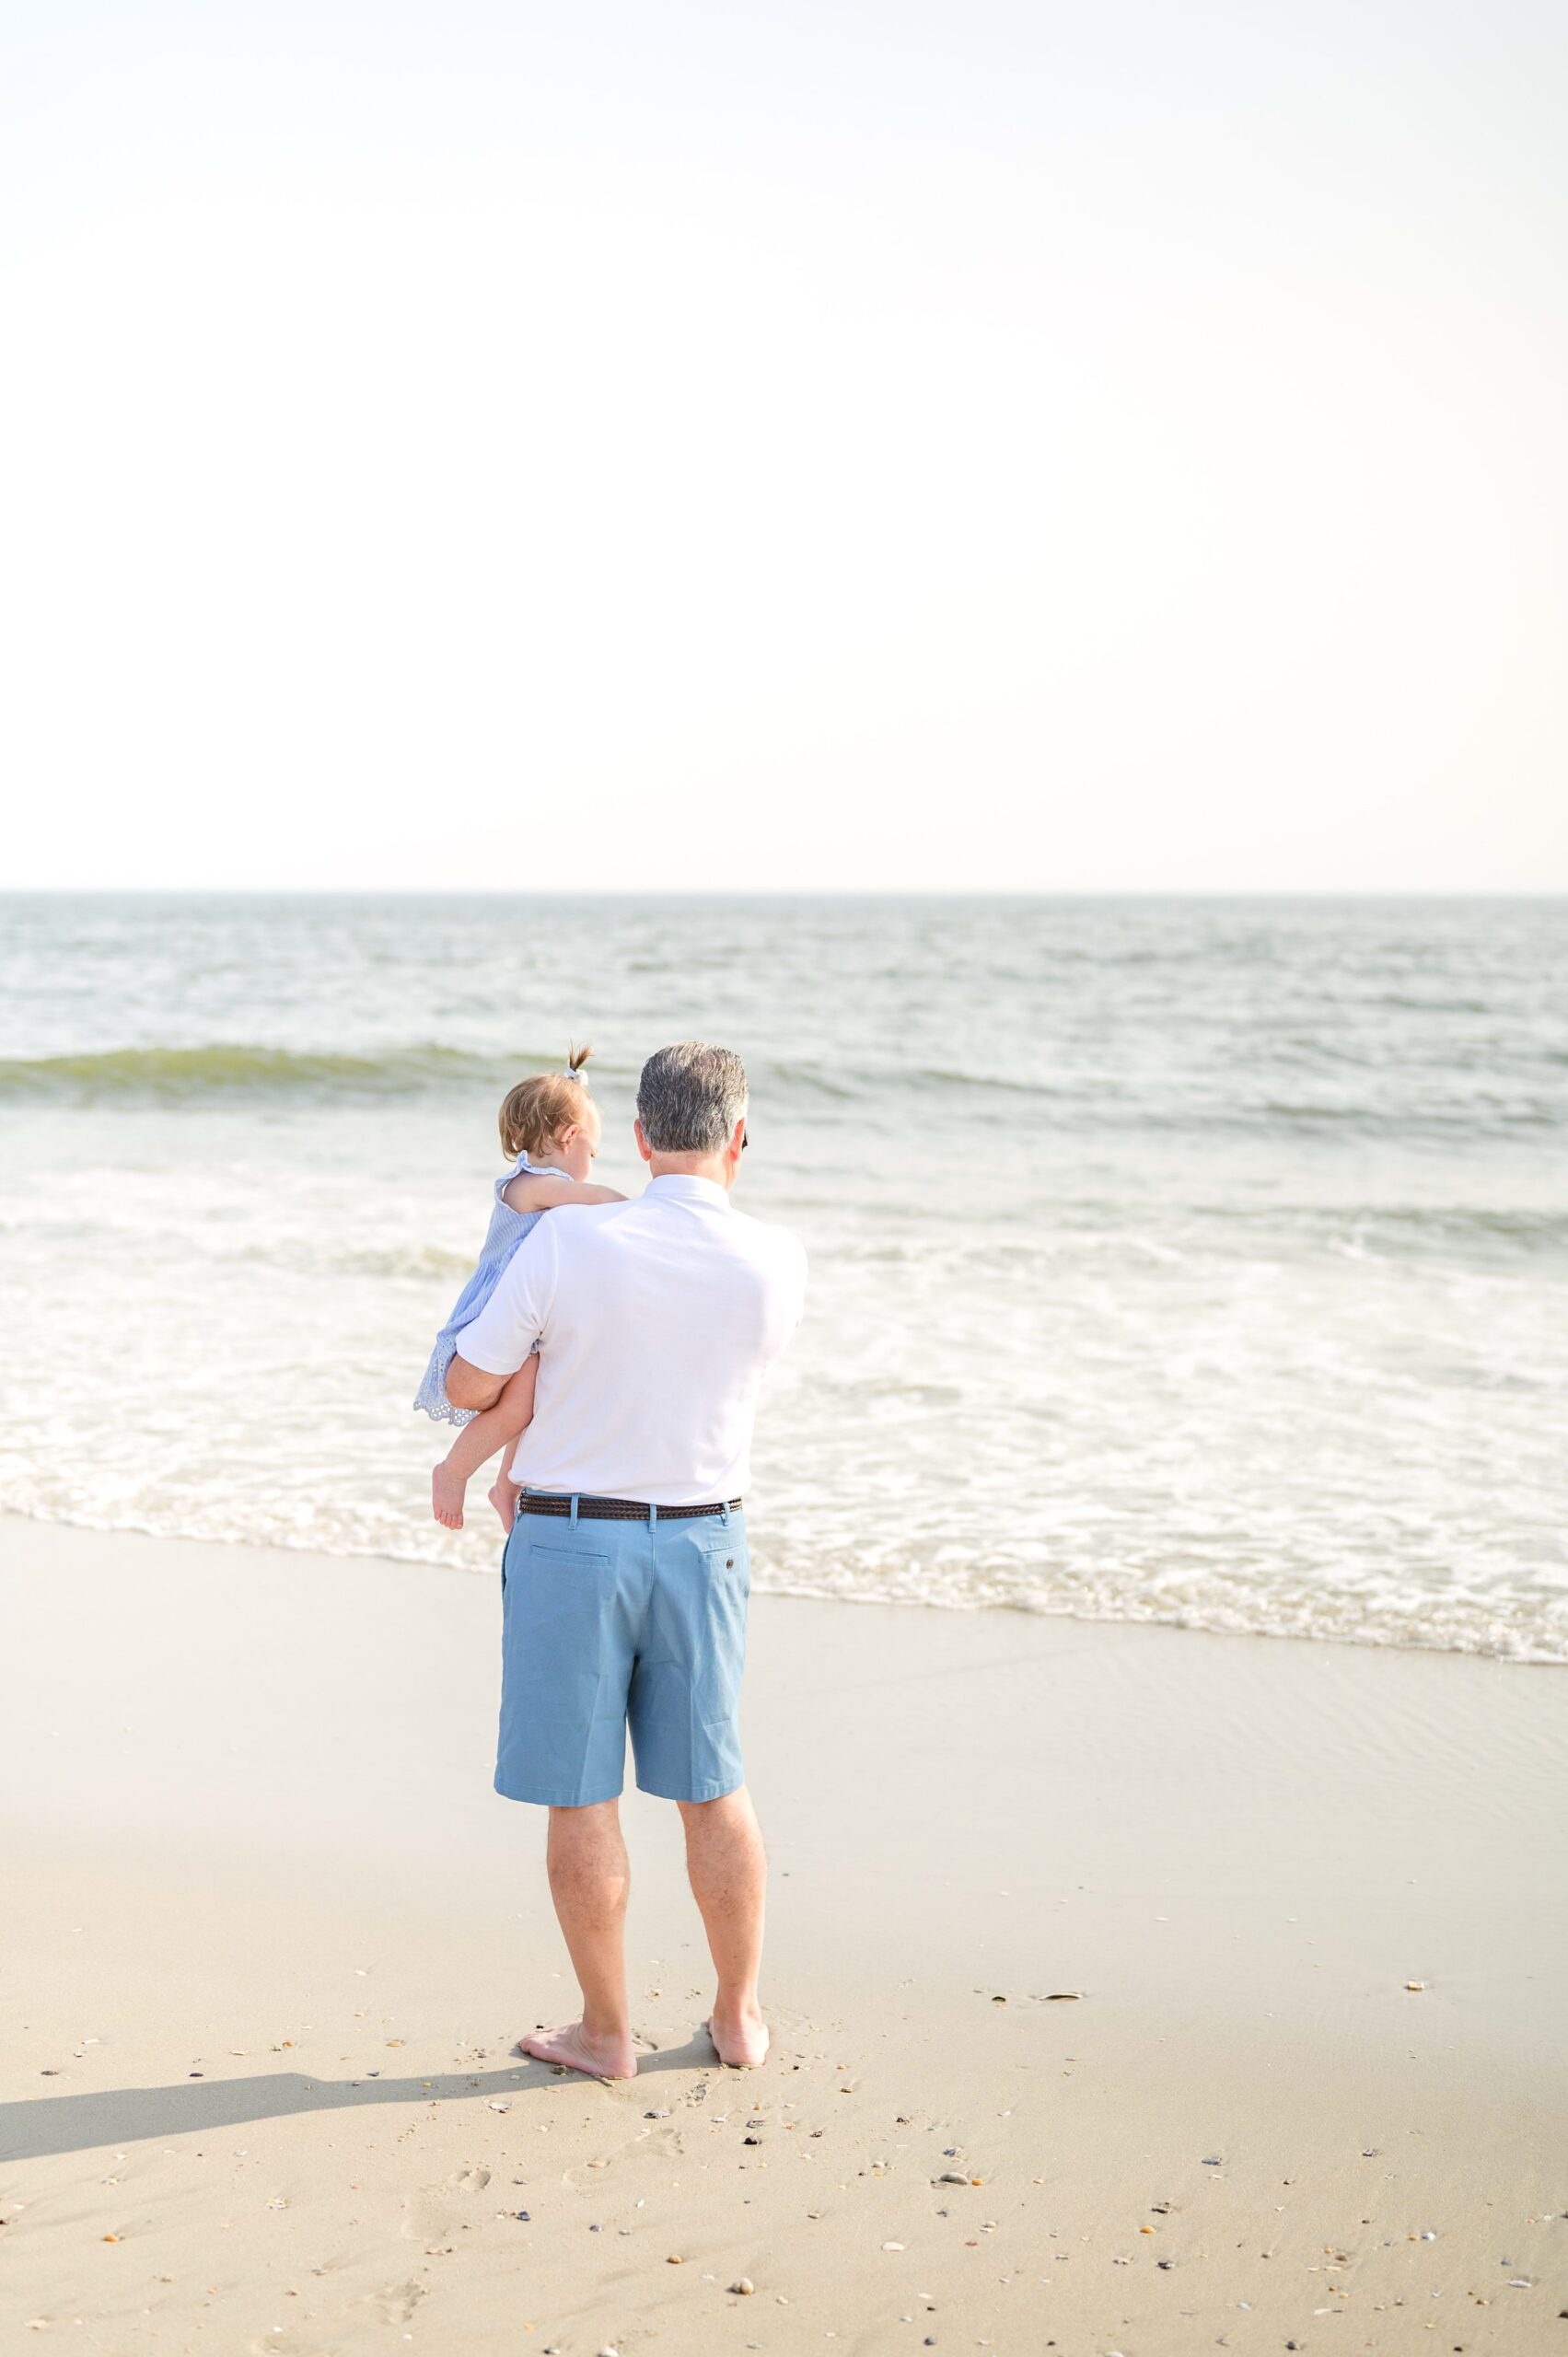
x: 690, y: 1096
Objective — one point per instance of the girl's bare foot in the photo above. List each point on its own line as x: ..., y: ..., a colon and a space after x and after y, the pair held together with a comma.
x: 504, y: 1496
x: 599, y: 2058
x: 741, y: 2044
x: 447, y: 1491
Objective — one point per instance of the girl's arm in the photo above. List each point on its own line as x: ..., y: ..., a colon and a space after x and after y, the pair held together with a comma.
x: 526, y: 1193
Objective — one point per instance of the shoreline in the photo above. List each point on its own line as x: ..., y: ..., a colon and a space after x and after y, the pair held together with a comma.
x: 1114, y: 1917
x: 982, y: 1608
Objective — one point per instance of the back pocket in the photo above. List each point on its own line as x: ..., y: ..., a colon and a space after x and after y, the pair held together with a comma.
x: 727, y: 1557
x: 561, y: 1583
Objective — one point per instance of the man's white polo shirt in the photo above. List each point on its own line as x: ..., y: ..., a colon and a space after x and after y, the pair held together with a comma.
x: 655, y: 1320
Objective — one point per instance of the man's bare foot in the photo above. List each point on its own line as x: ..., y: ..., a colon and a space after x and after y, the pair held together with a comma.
x: 740, y: 2044
x: 446, y: 1492
x: 599, y: 2058
x: 504, y: 1496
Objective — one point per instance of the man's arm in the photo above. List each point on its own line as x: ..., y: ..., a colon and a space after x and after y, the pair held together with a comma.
x: 470, y: 1387
x: 494, y: 1344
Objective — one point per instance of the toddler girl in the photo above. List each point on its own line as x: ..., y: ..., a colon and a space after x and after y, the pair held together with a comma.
x: 551, y: 1129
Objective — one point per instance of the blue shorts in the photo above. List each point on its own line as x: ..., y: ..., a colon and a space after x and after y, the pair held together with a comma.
x: 611, y: 1625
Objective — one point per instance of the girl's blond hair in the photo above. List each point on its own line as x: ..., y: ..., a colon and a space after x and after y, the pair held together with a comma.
x: 536, y: 1110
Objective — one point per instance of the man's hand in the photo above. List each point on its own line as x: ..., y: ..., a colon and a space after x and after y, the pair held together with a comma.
x: 470, y: 1387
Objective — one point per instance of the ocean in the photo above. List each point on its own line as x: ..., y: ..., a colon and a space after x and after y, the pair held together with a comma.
x: 1194, y: 1261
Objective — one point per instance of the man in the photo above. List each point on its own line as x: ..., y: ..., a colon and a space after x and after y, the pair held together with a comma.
x: 626, y: 1580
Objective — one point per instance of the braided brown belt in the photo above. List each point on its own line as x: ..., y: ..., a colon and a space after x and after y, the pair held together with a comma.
x: 621, y: 1509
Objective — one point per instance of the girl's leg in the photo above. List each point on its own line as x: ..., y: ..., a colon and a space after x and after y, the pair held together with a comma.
x: 479, y: 1439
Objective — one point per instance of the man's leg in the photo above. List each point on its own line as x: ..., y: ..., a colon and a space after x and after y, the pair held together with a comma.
x: 728, y: 1870
x: 589, y: 1878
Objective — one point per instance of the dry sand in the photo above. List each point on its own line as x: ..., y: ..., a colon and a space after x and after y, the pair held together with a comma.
x: 1089, y: 1973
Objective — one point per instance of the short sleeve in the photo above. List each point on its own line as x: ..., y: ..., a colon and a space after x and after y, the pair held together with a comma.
x: 502, y: 1336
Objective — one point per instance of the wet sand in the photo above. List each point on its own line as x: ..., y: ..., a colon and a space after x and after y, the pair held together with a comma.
x: 1089, y: 1959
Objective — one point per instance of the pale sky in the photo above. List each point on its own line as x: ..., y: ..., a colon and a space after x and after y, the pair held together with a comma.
x: 738, y: 444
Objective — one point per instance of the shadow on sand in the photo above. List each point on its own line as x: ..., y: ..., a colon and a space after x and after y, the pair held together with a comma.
x: 128, y: 2114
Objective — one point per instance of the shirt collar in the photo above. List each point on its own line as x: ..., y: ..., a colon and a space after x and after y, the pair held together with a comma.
x: 685, y: 1186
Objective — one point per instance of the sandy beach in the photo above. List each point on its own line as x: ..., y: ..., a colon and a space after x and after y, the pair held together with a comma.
x: 810, y: 758
x: 1091, y: 1963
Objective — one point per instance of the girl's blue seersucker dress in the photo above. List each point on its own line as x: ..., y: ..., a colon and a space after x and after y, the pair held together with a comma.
x: 506, y: 1231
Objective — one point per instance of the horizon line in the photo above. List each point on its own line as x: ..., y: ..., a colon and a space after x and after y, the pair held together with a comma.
x: 1416, y: 893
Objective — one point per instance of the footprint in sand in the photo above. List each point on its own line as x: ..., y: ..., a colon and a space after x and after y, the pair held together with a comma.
x: 428, y: 2215
x: 467, y: 2180
x: 396, y: 2304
